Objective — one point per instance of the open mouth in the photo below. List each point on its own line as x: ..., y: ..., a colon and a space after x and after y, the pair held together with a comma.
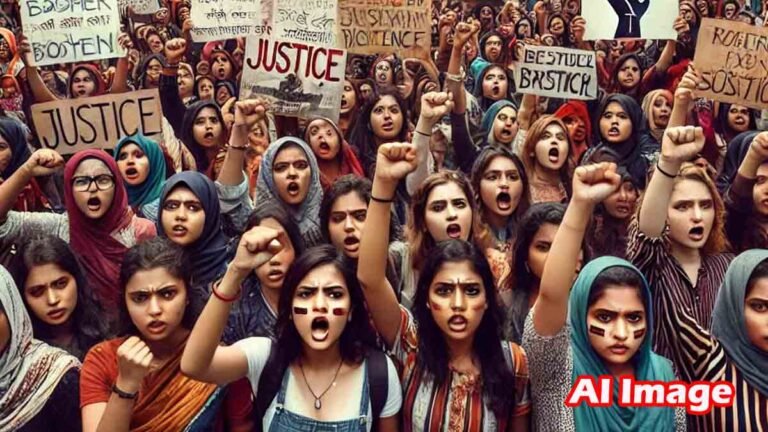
x: 619, y: 349
x: 554, y: 155
x: 131, y: 172
x: 179, y: 231
x: 324, y: 147
x: 344, y: 103
x: 94, y: 204
x: 503, y: 201
x: 696, y: 233
x: 275, y: 275
x: 382, y: 77
x: 320, y: 329
x: 613, y: 131
x: 156, y: 327
x: 453, y: 231
x: 457, y: 323
x: 623, y: 209
x: 739, y: 121
x: 293, y: 188
x: 351, y: 241
x: 388, y: 126
x: 56, y: 313
x: 496, y: 90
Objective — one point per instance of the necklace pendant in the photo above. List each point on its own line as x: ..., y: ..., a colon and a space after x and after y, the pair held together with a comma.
x: 318, y: 405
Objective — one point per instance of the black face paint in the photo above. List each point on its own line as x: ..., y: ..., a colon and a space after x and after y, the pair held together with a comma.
x: 639, y: 333
x: 300, y: 311
x: 597, y: 330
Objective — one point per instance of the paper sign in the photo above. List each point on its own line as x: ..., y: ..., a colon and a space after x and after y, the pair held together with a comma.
x: 732, y: 58
x: 386, y: 26
x: 69, y: 31
x: 618, y: 19
x: 71, y: 125
x: 225, y: 19
x: 298, y: 79
x: 312, y: 21
x: 139, y: 7
x: 557, y: 72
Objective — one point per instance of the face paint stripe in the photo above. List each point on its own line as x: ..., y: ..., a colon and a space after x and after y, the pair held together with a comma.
x: 339, y: 311
x: 639, y: 333
x: 300, y: 311
x: 597, y: 330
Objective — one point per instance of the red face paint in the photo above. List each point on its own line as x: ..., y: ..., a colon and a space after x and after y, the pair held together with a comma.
x: 339, y: 311
x: 639, y: 333
x: 300, y: 311
x: 597, y: 330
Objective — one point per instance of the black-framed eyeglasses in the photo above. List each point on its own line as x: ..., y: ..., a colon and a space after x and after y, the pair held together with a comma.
x: 83, y: 183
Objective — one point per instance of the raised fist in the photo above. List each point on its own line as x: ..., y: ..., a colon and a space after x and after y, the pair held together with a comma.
x: 630, y: 12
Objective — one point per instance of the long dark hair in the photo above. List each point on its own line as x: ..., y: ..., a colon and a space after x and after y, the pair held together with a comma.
x: 188, y: 136
x: 498, y: 381
x: 87, y: 321
x: 358, y: 335
x: 536, y: 216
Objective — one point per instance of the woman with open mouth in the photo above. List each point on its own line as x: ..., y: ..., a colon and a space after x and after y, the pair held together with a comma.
x: 678, y: 239
x: 500, y: 184
x: 99, y: 225
x: 601, y: 324
x: 40, y: 383
x: 732, y: 119
x: 334, y: 156
x: 323, y: 372
x: 455, y: 319
x: 546, y: 157
x: 62, y: 308
x: 142, y: 165
x: 492, y: 83
x: 657, y: 106
x: 575, y: 115
x: 135, y: 381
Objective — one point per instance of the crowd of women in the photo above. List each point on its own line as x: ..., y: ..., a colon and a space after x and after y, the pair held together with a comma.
x: 390, y: 270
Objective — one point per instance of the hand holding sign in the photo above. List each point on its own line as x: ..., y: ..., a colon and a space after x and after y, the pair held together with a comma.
x: 578, y: 27
x: 43, y: 162
x: 125, y: 42
x: 681, y: 25
x: 686, y: 89
x: 174, y: 50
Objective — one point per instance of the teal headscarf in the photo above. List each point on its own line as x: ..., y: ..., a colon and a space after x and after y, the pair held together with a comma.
x: 728, y: 323
x: 490, y: 116
x: 648, y: 365
x: 150, y: 190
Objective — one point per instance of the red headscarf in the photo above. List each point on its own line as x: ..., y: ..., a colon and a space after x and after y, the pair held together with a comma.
x: 98, y: 80
x: 100, y: 254
x: 11, y: 39
x: 578, y: 109
x: 349, y: 164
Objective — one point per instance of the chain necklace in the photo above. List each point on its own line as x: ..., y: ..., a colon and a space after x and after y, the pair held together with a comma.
x: 318, y: 404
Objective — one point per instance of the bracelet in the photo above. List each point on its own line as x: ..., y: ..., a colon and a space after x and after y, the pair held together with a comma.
x: 237, y: 147
x: 666, y: 174
x: 384, y: 201
x: 122, y: 394
x: 423, y: 134
x: 454, y: 77
x: 223, y: 298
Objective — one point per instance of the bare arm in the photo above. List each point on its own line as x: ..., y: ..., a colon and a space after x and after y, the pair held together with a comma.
x: 247, y: 113
x: 42, y: 162
x: 433, y: 107
x: 464, y: 31
x: 526, y: 111
x: 123, y: 67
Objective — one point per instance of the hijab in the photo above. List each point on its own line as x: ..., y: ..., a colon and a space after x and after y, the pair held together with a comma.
x: 615, y: 84
x: 13, y: 132
x: 145, y: 65
x: 728, y: 323
x: 490, y: 116
x: 577, y: 109
x: 347, y: 158
x: 10, y: 38
x: 648, y: 365
x: 229, y: 84
x: 656, y: 131
x: 99, y: 252
x: 208, y: 254
x: 307, y: 214
x: 30, y: 370
x: 188, y: 137
x: 95, y: 73
x: 153, y: 185
x: 734, y: 156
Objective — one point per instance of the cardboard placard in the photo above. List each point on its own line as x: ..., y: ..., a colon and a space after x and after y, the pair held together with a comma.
x: 71, y: 125
x: 557, y: 72
x: 732, y: 58
x: 620, y: 19
x: 311, y: 21
x: 225, y: 19
x: 69, y: 31
x: 298, y: 79
x: 386, y: 26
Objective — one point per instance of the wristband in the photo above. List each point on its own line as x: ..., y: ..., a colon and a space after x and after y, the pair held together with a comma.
x: 237, y: 147
x: 454, y: 77
x: 381, y: 200
x: 423, y: 134
x: 123, y: 395
x: 221, y: 297
x: 666, y: 174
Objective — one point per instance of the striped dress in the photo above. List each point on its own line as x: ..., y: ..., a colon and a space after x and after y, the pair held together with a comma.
x: 698, y: 356
x: 458, y: 405
x: 653, y: 257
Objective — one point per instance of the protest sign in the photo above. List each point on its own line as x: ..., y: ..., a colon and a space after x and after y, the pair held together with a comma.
x: 386, y: 26
x: 557, y: 72
x: 732, y: 58
x: 139, y: 7
x: 311, y: 21
x: 71, y: 125
x: 68, y: 31
x: 225, y: 19
x: 617, y: 19
x: 298, y: 79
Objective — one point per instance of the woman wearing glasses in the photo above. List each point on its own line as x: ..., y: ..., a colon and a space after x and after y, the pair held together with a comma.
x: 99, y: 224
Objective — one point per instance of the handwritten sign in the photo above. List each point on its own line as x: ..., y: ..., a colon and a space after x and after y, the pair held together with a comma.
x: 311, y: 21
x: 620, y: 19
x: 732, y: 58
x: 386, y: 26
x: 69, y: 31
x: 140, y: 7
x: 71, y: 125
x: 557, y: 72
x: 225, y: 19
x: 298, y: 79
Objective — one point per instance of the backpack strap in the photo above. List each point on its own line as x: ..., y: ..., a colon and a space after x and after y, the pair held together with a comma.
x: 378, y: 383
x: 269, y: 384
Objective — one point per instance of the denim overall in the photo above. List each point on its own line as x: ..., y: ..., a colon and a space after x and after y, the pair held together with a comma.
x: 286, y: 421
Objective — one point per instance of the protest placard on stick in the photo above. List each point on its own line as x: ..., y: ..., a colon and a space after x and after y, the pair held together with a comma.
x: 386, y: 26
x: 311, y: 21
x: 732, y: 58
x: 71, y: 125
x: 557, y: 72
x: 619, y: 19
x: 225, y: 19
x: 298, y: 79
x: 69, y: 31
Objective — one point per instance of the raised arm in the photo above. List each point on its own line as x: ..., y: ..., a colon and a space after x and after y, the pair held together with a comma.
x: 526, y: 112
x: 434, y: 106
x: 454, y: 82
x: 591, y: 185
x: 173, y: 107
x: 123, y: 67
x: 203, y: 358
x: 679, y: 145
x: 684, y: 95
x: 393, y: 162
x: 39, y: 90
x: 247, y: 113
x: 42, y: 162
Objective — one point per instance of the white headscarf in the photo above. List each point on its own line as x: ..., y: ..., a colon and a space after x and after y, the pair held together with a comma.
x: 30, y: 370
